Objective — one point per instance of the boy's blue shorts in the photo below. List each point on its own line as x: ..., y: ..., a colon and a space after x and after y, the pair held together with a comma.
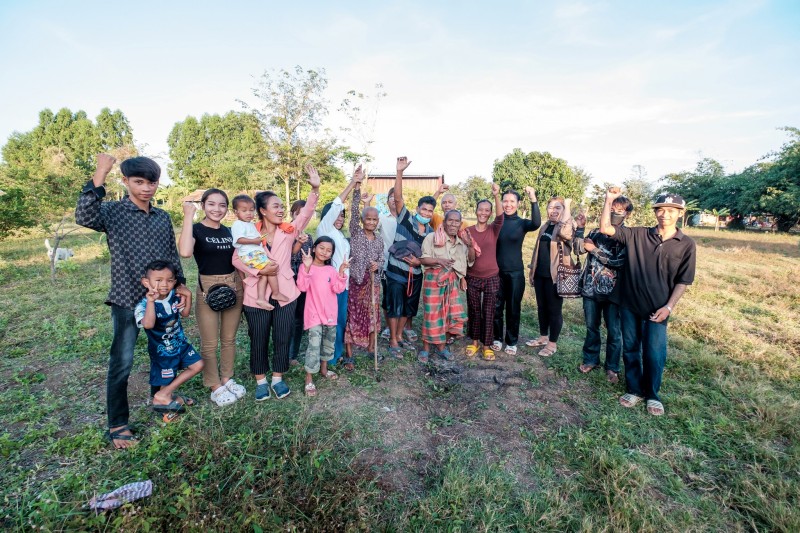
x: 164, y: 369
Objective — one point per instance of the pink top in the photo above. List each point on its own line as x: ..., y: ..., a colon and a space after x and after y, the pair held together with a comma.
x: 281, y: 253
x: 321, y: 285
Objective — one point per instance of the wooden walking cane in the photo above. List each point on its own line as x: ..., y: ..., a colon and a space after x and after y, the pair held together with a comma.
x: 377, y: 324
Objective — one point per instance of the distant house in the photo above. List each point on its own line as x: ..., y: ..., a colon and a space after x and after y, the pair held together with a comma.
x: 425, y: 183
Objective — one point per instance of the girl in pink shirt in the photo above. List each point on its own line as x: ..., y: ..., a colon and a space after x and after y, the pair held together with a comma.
x: 321, y: 283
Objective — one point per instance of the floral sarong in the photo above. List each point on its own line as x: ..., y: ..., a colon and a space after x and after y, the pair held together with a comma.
x: 362, y: 315
x: 443, y: 306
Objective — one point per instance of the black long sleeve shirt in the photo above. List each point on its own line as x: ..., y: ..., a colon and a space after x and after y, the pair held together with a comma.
x: 135, y: 238
x: 509, y: 242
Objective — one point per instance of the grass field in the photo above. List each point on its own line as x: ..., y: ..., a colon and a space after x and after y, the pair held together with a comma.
x: 518, y: 444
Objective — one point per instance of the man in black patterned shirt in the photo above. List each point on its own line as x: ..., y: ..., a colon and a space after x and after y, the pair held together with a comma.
x: 137, y: 233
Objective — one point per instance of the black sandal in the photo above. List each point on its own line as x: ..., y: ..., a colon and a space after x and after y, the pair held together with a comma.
x: 117, y: 435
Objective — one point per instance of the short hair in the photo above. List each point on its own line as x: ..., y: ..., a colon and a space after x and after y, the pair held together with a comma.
x: 159, y: 265
x: 369, y: 208
x: 242, y: 199
x: 485, y: 200
x: 426, y: 200
x: 445, y: 195
x: 390, y: 192
x: 559, y: 199
x: 141, y: 167
x: 297, y: 205
x: 511, y: 192
x: 320, y: 240
x: 209, y: 192
x: 624, y: 202
x: 453, y: 211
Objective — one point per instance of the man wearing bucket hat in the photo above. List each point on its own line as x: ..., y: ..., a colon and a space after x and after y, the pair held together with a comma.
x: 660, y: 263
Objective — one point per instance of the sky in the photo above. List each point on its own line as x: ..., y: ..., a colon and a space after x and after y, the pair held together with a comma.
x: 605, y: 85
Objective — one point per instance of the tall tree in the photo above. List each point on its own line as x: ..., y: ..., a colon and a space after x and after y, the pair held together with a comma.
x: 219, y: 151
x: 361, y: 111
x: 471, y: 191
x: 549, y: 175
x: 290, y: 113
x: 44, y: 168
x: 640, y: 191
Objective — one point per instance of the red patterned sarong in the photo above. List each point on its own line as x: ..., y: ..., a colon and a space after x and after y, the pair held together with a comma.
x: 443, y: 306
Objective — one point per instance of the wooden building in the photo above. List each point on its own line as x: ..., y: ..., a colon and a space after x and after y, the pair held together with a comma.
x: 426, y: 183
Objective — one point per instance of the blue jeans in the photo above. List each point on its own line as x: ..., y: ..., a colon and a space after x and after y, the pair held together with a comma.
x: 341, y: 322
x: 120, y: 362
x: 593, y: 311
x: 644, y: 354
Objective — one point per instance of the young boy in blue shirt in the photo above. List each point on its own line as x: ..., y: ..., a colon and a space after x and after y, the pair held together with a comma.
x: 160, y: 316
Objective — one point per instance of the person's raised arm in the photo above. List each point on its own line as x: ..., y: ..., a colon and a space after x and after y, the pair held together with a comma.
x: 88, y: 211
x: 358, y: 177
x: 186, y: 240
x: 306, y: 212
x: 355, y: 204
x: 606, y: 228
x: 498, y: 207
x: 443, y: 188
x: 536, y: 217
x: 402, y: 165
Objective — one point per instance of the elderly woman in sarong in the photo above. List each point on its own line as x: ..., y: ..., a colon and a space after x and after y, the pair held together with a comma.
x: 446, y: 254
x: 366, y: 266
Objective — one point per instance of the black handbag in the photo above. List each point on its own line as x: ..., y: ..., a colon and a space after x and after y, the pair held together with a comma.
x: 219, y: 297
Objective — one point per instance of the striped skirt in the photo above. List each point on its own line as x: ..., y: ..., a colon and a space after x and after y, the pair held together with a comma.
x: 443, y: 306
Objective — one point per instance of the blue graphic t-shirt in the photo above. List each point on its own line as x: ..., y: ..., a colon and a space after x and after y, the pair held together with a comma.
x: 165, y: 338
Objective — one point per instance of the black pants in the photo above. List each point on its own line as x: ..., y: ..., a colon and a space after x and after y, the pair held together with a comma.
x: 260, y: 323
x: 509, y: 299
x: 297, y: 335
x: 548, y: 304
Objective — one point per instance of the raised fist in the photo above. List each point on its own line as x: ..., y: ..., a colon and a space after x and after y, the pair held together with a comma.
x: 105, y: 163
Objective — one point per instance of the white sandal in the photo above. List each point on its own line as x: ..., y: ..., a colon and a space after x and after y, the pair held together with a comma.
x: 311, y: 389
x: 511, y: 350
x: 497, y: 346
x: 235, y: 388
x: 222, y: 396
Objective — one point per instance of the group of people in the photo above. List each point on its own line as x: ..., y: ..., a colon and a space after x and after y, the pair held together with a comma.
x: 470, y: 280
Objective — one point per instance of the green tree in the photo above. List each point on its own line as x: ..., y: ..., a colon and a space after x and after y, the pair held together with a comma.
x: 43, y: 169
x: 290, y: 113
x: 640, y: 191
x: 225, y: 151
x: 774, y: 187
x: 469, y: 192
x: 549, y: 175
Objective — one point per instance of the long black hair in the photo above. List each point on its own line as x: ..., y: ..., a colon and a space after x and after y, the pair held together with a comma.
x: 321, y: 240
x: 209, y: 192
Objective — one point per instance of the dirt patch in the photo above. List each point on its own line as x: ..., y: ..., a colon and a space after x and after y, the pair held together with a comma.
x: 427, y: 409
